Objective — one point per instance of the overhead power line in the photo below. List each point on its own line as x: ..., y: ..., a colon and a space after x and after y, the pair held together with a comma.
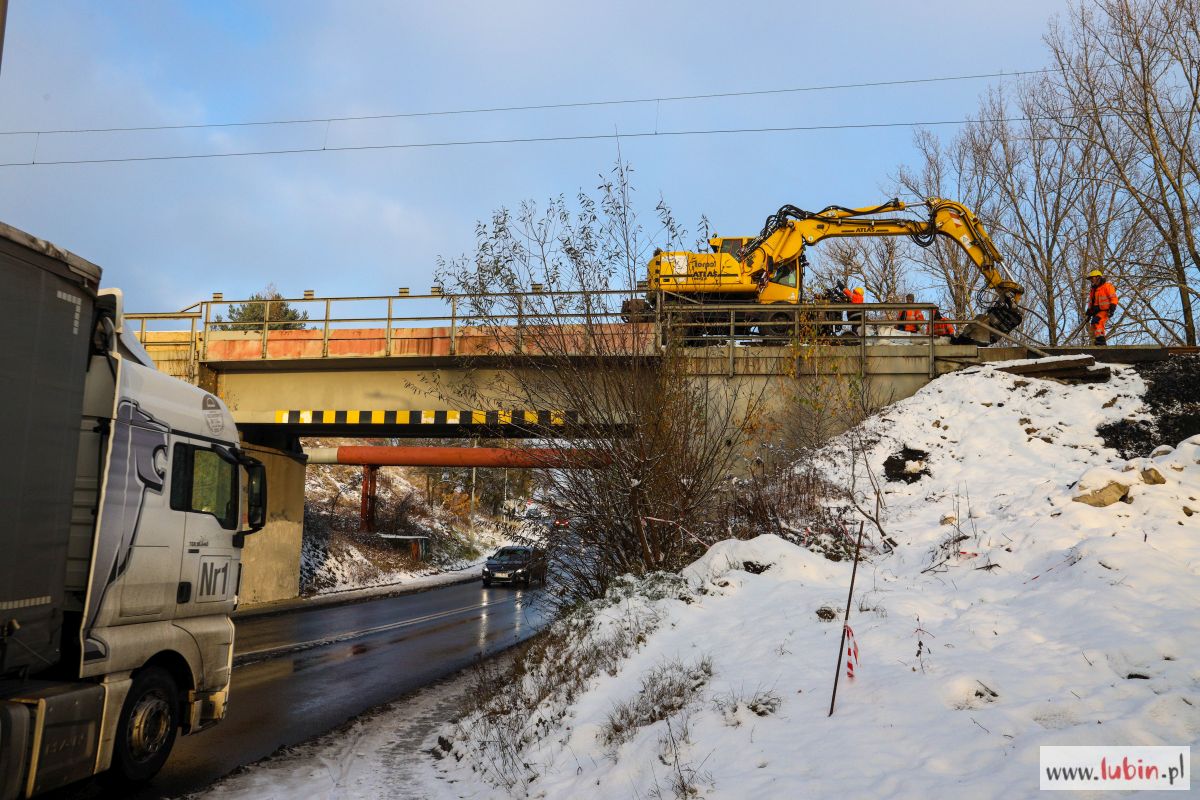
x: 514, y: 140
x: 534, y: 107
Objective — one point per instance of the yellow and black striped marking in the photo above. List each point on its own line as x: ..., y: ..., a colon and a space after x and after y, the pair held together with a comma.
x: 416, y: 417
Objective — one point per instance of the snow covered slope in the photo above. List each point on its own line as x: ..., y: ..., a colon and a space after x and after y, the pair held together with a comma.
x: 1009, y: 616
x: 336, y: 557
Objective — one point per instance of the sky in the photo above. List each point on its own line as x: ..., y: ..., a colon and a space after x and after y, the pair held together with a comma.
x: 364, y: 222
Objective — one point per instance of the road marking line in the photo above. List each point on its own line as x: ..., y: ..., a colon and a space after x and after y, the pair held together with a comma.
x: 358, y: 634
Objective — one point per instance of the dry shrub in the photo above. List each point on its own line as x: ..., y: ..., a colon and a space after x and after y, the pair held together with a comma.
x: 666, y: 689
x: 760, y: 702
x: 665, y: 441
x: 510, y: 708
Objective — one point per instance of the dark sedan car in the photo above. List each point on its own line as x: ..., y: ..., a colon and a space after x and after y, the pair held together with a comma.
x: 512, y: 564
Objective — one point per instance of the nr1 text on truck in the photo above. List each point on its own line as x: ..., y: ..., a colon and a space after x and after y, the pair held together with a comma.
x: 124, y: 500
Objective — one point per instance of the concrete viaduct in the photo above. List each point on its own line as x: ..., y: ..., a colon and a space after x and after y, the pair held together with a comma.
x: 408, y: 382
x: 376, y: 375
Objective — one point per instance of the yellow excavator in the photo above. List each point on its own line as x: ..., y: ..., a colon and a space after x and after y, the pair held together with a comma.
x: 769, y: 268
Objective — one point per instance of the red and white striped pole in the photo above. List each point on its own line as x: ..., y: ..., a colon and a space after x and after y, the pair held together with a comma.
x: 852, y: 651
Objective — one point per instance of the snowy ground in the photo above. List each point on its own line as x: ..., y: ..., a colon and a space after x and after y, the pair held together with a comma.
x: 376, y: 755
x: 1009, y: 616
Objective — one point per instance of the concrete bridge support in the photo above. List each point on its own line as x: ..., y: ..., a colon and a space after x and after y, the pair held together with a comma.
x: 271, y: 557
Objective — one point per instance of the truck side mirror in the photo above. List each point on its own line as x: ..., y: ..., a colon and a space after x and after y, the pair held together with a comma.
x: 256, y: 496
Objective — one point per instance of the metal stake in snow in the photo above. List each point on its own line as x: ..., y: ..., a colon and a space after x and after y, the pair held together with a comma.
x: 846, y: 621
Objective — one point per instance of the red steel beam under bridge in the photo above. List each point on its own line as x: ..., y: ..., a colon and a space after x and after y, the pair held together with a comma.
x: 511, y: 458
x: 371, y: 458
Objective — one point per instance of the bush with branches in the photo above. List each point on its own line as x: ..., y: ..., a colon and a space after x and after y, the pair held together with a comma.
x: 663, y: 443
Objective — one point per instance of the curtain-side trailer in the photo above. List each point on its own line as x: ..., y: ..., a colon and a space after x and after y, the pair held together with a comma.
x: 124, y: 500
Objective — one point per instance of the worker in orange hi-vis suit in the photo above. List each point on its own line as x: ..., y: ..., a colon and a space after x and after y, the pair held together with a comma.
x: 911, y: 315
x: 940, y: 326
x: 858, y: 295
x: 1102, y: 304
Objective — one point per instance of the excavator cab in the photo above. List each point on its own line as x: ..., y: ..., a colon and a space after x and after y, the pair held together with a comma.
x: 787, y: 275
x: 729, y: 246
x: 784, y: 281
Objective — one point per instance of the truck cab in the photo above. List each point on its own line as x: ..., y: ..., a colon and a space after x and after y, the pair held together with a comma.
x: 126, y: 505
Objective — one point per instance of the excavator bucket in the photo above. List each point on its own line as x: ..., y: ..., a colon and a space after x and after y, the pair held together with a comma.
x: 987, y: 328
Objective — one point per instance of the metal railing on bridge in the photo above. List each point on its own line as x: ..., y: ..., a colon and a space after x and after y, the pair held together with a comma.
x: 305, y: 328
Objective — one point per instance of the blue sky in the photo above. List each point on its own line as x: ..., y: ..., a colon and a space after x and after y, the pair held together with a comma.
x: 346, y: 223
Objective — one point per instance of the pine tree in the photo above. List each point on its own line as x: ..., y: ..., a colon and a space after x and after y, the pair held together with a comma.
x: 243, y: 316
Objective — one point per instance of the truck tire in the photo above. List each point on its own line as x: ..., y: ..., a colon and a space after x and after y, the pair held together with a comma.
x: 147, y: 727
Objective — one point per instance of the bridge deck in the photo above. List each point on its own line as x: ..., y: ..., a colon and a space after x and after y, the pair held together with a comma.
x: 372, y: 378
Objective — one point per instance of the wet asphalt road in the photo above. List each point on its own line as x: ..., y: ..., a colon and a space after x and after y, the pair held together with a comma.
x: 300, y: 674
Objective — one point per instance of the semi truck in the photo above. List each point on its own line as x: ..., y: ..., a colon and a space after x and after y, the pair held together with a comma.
x: 125, y: 499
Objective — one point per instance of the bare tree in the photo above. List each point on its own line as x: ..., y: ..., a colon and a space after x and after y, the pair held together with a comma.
x: 1131, y: 70
x: 946, y: 171
x: 878, y: 264
x: 1092, y: 166
x: 1029, y: 169
x: 663, y: 442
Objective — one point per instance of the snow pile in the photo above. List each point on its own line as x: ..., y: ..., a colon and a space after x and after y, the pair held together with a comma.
x: 1009, y: 616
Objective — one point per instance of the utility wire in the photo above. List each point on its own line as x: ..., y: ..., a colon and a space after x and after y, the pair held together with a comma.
x: 521, y: 140
x: 539, y: 107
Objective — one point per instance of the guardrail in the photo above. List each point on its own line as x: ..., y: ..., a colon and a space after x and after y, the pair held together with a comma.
x: 457, y: 325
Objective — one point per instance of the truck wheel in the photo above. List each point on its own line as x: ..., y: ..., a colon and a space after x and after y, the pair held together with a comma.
x: 147, y: 726
x: 486, y: 583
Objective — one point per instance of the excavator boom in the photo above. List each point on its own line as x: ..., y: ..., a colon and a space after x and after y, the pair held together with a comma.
x: 780, y: 245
